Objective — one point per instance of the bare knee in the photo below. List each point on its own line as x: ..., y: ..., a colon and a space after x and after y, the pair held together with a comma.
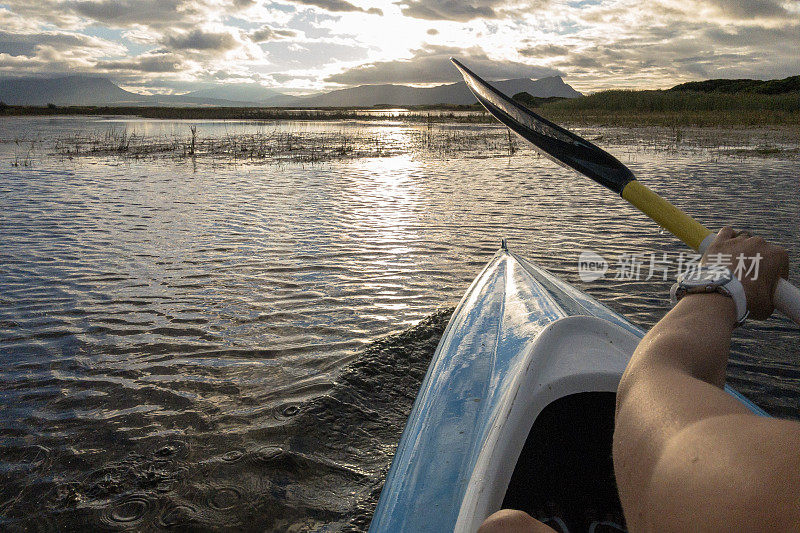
x: 511, y: 521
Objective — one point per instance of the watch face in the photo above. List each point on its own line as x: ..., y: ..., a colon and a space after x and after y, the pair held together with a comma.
x: 709, y: 279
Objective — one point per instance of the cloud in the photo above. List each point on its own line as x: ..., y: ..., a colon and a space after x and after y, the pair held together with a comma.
x: 10, y: 21
x: 28, y: 44
x: 191, y: 38
x: 449, y: 9
x: 201, y: 40
x: 127, y: 14
x: 338, y: 6
x: 682, y: 50
x: 152, y: 13
x: 544, y: 50
x: 777, y: 38
x: 715, y: 11
x: 24, y: 53
x: 270, y: 34
x: 432, y: 65
x: 595, y: 44
x: 17, y: 48
x: 750, y: 8
x: 281, y: 77
x: 148, y: 63
x: 463, y: 11
x: 51, y: 12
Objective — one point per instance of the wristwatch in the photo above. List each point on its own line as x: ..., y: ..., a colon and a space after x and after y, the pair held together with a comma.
x: 705, y: 280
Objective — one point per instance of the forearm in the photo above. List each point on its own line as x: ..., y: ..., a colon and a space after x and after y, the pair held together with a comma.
x: 693, y: 338
x: 672, y: 381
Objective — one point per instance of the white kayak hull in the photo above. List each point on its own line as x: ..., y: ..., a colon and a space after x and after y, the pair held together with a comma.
x: 520, y: 342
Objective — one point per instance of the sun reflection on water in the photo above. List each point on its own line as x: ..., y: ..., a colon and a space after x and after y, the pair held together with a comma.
x: 387, y: 192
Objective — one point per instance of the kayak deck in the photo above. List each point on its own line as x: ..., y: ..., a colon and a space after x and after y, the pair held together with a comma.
x: 516, y: 409
x: 466, y: 430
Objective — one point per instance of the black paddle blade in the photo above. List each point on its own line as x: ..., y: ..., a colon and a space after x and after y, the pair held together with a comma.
x: 553, y: 141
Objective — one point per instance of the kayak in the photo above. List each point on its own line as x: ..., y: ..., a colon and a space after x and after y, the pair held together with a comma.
x: 516, y: 410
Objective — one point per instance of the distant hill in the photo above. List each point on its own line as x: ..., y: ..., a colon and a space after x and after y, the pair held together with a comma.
x: 187, y: 100
x: 454, y: 94
x: 534, y: 101
x: 98, y: 91
x: 786, y: 85
x: 243, y: 92
x: 65, y: 90
x: 94, y: 91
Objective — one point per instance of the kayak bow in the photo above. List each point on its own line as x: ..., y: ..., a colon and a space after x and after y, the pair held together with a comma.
x: 516, y: 410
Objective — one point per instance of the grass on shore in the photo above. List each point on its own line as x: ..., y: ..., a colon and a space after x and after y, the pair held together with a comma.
x: 673, y: 108
x: 607, y: 108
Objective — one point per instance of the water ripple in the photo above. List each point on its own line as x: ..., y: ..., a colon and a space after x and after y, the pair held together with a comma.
x: 173, y: 337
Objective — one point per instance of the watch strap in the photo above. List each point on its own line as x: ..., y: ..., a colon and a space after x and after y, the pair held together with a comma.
x: 726, y: 284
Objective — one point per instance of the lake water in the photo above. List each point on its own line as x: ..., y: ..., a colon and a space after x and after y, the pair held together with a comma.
x: 200, y: 341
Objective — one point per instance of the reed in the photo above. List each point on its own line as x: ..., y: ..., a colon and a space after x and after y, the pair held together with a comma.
x: 688, y: 108
x: 292, y: 146
x: 440, y: 141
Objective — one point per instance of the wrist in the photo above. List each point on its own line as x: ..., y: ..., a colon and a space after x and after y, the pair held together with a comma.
x: 714, y: 307
x: 712, y: 281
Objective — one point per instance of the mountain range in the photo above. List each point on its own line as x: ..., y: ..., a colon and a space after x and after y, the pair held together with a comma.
x: 97, y: 91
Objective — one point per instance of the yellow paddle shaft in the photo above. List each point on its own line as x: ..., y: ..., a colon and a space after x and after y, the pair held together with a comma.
x: 690, y: 231
x: 665, y: 214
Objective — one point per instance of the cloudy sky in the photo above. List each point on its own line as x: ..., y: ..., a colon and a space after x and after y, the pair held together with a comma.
x: 298, y: 46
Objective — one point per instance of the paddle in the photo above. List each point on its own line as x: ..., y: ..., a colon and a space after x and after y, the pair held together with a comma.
x: 572, y: 151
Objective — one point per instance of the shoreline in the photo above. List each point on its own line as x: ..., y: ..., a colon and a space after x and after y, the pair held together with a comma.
x: 734, y: 118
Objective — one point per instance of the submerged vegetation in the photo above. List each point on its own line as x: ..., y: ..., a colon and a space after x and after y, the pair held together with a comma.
x: 290, y: 146
x: 440, y: 141
x: 264, y: 146
x: 311, y: 144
